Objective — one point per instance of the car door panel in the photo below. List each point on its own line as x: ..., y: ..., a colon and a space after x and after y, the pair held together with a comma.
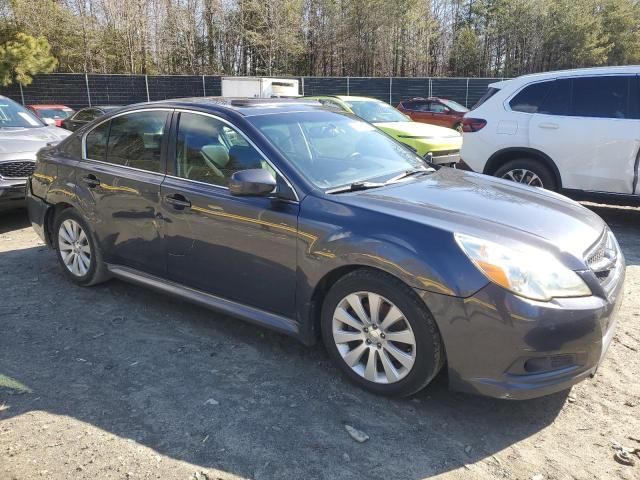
x: 122, y: 201
x: 233, y: 247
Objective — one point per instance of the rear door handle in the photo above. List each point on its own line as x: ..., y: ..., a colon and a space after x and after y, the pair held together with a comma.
x: 549, y: 126
x: 91, y: 181
x: 178, y: 201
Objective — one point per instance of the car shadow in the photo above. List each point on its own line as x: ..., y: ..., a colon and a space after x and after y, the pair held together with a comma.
x: 13, y: 220
x: 190, y: 384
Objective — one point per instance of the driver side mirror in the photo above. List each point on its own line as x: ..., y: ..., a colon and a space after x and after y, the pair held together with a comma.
x: 255, y: 182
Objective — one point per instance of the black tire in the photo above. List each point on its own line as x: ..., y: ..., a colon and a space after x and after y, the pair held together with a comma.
x: 544, y: 173
x: 458, y: 127
x: 429, y: 350
x: 97, y: 271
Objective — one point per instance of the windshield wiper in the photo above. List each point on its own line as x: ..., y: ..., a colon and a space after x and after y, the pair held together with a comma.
x: 356, y: 186
x: 407, y: 174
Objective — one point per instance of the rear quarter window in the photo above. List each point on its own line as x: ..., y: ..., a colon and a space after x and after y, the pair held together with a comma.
x: 531, y: 98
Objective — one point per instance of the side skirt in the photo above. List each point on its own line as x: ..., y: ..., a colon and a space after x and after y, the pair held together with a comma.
x: 624, y: 199
x: 250, y: 314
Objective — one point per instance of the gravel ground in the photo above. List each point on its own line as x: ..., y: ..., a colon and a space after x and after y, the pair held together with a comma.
x: 120, y: 382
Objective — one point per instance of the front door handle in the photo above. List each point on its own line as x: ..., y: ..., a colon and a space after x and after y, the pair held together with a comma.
x: 549, y: 126
x: 178, y: 201
x: 91, y: 180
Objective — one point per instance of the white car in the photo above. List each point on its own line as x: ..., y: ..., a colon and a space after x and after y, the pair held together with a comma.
x: 576, y: 131
x: 22, y: 134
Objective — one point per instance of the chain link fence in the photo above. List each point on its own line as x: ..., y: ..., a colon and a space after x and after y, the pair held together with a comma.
x: 80, y: 90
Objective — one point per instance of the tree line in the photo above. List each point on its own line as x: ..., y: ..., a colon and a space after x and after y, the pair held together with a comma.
x: 481, y: 38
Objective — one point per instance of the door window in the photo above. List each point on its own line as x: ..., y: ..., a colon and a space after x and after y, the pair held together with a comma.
x: 530, y: 98
x: 96, y: 142
x: 210, y: 151
x: 85, y: 115
x: 437, y: 107
x: 417, y: 106
x: 558, y: 100
x: 132, y: 140
x: 603, y: 97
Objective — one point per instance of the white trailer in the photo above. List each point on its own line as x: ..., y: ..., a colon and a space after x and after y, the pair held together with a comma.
x: 259, y: 87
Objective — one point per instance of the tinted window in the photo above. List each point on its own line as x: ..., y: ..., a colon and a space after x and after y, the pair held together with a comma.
x: 135, y: 140
x: 416, y: 106
x: 489, y: 93
x: 530, y: 98
x: 207, y: 150
x: 604, y: 97
x: 85, y: 115
x: 558, y: 101
x: 96, y: 141
x: 73, y: 146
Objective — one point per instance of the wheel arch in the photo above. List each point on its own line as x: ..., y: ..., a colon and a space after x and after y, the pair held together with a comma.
x: 322, y: 289
x: 50, y: 218
x: 505, y: 155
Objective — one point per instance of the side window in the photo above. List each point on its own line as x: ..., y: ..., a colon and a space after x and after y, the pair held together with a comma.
x: 96, y: 142
x: 436, y: 107
x: 558, y: 101
x: 83, y: 115
x: 208, y: 150
x: 73, y: 147
x: 135, y: 140
x: 530, y: 98
x: 604, y: 97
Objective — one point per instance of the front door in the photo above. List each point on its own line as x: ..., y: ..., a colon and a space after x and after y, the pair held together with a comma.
x: 238, y: 248
x: 118, y: 186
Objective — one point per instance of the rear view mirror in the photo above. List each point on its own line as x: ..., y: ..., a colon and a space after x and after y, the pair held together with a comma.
x: 255, y: 182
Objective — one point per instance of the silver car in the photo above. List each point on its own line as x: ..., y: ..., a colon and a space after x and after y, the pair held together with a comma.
x: 22, y: 134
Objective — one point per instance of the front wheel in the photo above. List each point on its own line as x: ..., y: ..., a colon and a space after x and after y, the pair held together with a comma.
x: 380, y: 334
x: 528, y: 172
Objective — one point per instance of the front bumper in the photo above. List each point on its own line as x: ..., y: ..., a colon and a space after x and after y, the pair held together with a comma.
x: 504, y: 346
x: 12, y: 193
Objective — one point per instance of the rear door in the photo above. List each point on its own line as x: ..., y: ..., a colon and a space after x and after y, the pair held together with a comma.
x: 589, y: 127
x: 238, y: 248
x: 118, y: 185
x: 418, y: 110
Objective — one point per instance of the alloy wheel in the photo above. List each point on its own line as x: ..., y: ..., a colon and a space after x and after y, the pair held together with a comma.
x: 74, y: 247
x: 374, y: 337
x: 522, y: 175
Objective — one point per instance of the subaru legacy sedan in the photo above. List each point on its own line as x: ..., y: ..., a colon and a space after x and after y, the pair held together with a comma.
x: 313, y: 223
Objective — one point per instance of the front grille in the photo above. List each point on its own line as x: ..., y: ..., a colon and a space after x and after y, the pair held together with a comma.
x: 603, y: 260
x: 19, y: 169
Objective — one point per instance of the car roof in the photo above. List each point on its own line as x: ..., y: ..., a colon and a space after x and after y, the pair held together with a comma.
x: 244, y: 106
x: 576, y: 72
x: 39, y: 106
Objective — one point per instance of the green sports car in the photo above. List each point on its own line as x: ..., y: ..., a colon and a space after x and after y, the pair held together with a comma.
x: 442, y: 143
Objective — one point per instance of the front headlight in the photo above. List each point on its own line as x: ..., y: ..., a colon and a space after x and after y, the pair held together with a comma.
x: 530, y: 273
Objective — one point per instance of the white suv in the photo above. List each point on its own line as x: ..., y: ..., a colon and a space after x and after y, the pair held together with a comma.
x: 577, y: 131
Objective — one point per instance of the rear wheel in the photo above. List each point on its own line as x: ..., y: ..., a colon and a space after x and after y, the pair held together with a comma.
x: 529, y: 172
x: 458, y: 127
x: 77, y: 250
x: 380, y: 334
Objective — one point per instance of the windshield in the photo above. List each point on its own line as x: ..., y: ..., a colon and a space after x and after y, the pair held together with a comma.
x: 489, y: 93
x: 333, y: 149
x: 376, y: 112
x: 13, y: 115
x: 54, y: 113
x: 455, y: 106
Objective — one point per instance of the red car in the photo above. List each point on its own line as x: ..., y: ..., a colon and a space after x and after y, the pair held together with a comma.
x: 434, y: 110
x: 57, y: 113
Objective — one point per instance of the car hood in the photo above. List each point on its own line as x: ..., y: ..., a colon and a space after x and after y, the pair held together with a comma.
x: 417, y: 129
x: 492, y: 208
x: 28, y: 140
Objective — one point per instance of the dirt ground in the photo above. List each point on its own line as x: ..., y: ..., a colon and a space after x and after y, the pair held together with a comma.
x: 121, y: 382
